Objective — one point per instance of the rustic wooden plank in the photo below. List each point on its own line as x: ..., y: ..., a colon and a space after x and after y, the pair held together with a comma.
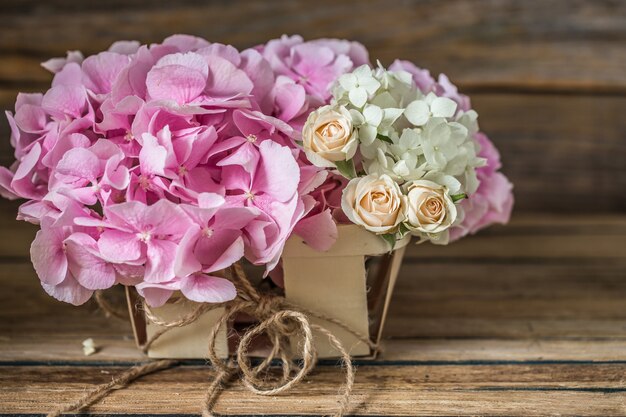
x: 391, y: 390
x: 563, y: 153
x: 481, y: 43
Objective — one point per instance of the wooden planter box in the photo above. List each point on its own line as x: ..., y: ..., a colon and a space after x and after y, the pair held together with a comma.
x: 352, y: 282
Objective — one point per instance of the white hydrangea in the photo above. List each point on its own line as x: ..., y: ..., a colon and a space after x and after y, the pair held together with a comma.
x: 408, y: 135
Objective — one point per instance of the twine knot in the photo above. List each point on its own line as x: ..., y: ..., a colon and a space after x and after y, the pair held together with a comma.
x: 278, y: 320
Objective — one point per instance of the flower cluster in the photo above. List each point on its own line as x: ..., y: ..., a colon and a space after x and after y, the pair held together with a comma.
x: 160, y: 165
x: 410, y: 147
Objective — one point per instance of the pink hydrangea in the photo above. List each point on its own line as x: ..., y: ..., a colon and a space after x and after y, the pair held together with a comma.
x: 160, y: 165
x: 493, y: 200
x: 305, y: 72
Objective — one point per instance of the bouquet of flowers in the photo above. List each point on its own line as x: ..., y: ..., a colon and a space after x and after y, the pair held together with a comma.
x: 158, y: 166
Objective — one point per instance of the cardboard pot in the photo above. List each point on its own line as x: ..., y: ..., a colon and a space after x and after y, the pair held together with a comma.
x: 352, y: 282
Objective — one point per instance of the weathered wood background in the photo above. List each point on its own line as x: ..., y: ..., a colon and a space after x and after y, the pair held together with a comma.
x: 524, y: 320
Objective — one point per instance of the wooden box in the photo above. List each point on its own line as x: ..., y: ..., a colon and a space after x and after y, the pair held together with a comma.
x: 352, y: 282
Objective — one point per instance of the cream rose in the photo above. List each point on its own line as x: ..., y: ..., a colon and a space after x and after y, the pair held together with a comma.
x: 374, y: 202
x: 328, y: 136
x: 431, y: 210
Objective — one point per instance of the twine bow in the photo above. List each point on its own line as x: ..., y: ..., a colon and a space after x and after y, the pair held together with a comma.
x: 277, y: 318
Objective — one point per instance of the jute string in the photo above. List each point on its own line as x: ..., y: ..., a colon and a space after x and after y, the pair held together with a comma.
x: 277, y: 318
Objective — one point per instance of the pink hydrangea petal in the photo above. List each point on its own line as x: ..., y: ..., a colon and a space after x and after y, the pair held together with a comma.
x: 116, y: 175
x: 100, y: 71
x: 157, y: 294
x: 128, y: 274
x: 31, y: 118
x: 167, y: 218
x: 65, y: 100
x: 68, y: 291
x: 160, y: 260
x: 88, y: 269
x: 125, y: 47
x: 47, y: 255
x: 179, y: 77
x: 227, y: 52
x: 186, y: 43
x: 119, y: 246
x: 185, y: 262
x: 235, y: 218
x: 219, y: 250
x: 207, y: 289
x: 290, y: 100
x: 246, y: 156
x: 6, y: 177
x: 229, y: 250
x: 153, y: 156
x: 318, y: 231
x: 62, y: 146
x: 278, y: 174
x: 260, y: 73
x: 80, y: 163
x: 225, y: 80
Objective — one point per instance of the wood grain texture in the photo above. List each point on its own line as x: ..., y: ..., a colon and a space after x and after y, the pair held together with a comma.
x: 480, y: 43
x: 573, y: 389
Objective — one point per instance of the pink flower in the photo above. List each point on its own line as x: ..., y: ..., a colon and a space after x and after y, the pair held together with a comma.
x: 265, y: 179
x: 88, y: 174
x: 315, y: 64
x: 68, y: 264
x: 493, y: 200
x: 305, y: 72
x: 138, y: 234
x: 177, y: 146
x: 213, y: 243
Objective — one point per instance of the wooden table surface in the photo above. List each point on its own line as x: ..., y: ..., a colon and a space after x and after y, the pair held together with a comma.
x: 527, y: 319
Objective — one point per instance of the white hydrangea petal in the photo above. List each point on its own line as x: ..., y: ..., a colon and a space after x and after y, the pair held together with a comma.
x: 417, y: 112
x: 471, y: 181
x: 381, y: 158
x: 409, y: 139
x: 443, y: 107
x: 458, y: 133
x: 400, y: 168
x: 384, y: 100
x: 348, y: 81
x: 358, y: 96
x: 370, y: 84
x: 368, y: 151
x: 403, y: 76
x: 363, y: 71
x: 373, y: 115
x: 357, y: 117
x: 390, y: 115
x: 367, y: 134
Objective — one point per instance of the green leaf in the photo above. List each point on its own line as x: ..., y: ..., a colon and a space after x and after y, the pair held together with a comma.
x: 390, y: 238
x: 458, y: 197
x: 299, y: 143
x: 384, y: 138
x: 404, y: 229
x: 346, y: 168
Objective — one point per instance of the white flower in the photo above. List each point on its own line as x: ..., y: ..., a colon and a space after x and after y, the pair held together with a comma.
x: 430, y: 207
x: 359, y: 85
x: 328, y: 136
x: 374, y: 202
x: 440, y: 141
x: 418, y: 112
